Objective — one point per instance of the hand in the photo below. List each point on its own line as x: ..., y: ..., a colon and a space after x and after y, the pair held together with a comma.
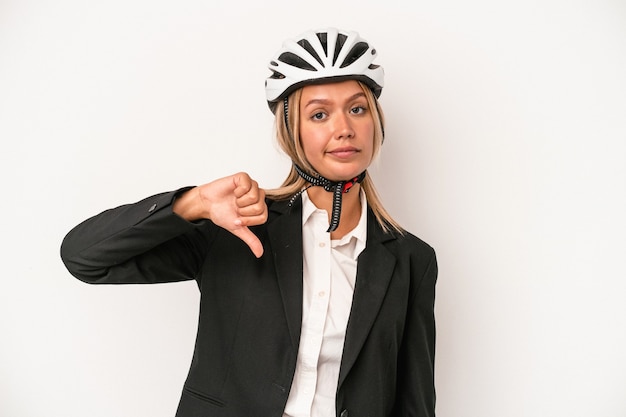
x: 233, y: 203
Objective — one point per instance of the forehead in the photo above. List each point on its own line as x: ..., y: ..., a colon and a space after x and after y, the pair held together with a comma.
x: 331, y: 91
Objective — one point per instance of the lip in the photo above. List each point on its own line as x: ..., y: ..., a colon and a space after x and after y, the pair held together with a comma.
x: 344, y: 152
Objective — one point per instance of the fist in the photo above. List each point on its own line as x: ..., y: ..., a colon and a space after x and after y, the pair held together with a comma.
x: 233, y: 203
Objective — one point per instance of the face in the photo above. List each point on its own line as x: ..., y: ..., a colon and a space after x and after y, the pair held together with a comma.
x: 336, y: 129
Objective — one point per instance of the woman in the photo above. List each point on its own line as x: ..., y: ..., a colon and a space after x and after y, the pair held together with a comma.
x: 314, y: 301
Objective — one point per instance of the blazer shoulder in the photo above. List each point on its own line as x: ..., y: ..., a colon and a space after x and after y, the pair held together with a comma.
x: 411, y: 244
x: 416, y: 242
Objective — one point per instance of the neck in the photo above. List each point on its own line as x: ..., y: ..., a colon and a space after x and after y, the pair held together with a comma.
x: 350, y: 208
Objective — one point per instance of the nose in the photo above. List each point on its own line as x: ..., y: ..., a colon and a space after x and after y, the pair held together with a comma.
x: 343, y: 127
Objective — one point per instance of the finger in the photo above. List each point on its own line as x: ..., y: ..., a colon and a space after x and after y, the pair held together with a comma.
x: 252, y: 196
x: 243, y: 184
x: 253, y: 210
x: 251, y: 220
x: 249, y: 239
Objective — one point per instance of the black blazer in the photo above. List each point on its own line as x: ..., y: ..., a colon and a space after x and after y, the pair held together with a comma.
x: 251, y: 309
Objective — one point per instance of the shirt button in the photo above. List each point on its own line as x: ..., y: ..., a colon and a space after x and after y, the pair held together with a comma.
x: 321, y: 293
x: 322, y: 244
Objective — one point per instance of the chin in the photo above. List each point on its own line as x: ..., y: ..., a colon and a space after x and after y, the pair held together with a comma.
x: 343, y: 175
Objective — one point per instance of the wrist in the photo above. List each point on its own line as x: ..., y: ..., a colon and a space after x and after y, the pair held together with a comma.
x: 188, y: 205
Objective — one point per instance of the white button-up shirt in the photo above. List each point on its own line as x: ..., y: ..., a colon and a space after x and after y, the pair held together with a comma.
x: 328, y: 285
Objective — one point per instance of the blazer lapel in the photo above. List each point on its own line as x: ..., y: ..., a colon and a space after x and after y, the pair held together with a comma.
x: 285, y: 236
x: 374, y: 272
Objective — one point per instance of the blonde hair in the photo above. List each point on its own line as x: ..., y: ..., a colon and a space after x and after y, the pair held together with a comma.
x: 288, y: 138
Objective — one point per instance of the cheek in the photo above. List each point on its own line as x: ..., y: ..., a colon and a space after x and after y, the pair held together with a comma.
x: 369, y: 133
x: 312, y: 141
x: 308, y: 153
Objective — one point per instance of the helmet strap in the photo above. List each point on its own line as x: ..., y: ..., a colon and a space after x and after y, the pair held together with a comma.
x: 382, y: 127
x: 338, y: 188
x: 286, y: 116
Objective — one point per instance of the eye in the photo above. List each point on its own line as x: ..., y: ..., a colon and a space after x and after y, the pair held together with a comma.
x: 358, y: 110
x: 318, y: 116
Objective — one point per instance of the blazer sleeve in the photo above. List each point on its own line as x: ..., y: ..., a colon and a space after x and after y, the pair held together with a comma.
x: 144, y: 242
x: 415, y: 395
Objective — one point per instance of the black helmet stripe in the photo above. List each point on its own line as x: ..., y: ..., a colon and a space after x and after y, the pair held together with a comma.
x: 323, y: 37
x: 293, y: 59
x: 309, y: 48
x: 355, y: 53
x: 341, y: 39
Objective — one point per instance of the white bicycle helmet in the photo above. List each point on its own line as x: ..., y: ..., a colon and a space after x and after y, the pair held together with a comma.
x: 320, y: 56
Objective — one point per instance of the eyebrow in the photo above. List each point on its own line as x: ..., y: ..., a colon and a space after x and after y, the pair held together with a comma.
x: 325, y: 101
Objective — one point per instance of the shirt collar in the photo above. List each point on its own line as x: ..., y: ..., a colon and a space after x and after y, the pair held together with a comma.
x: 359, y: 232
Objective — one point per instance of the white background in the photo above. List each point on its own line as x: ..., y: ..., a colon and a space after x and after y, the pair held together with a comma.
x: 505, y: 150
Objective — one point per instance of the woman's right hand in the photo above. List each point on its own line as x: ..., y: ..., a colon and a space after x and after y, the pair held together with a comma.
x: 233, y: 203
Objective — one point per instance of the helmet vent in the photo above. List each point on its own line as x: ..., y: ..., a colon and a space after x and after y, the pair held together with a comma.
x: 341, y: 39
x: 277, y: 75
x: 355, y: 53
x: 294, y: 60
x: 322, y: 36
x: 309, y: 48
